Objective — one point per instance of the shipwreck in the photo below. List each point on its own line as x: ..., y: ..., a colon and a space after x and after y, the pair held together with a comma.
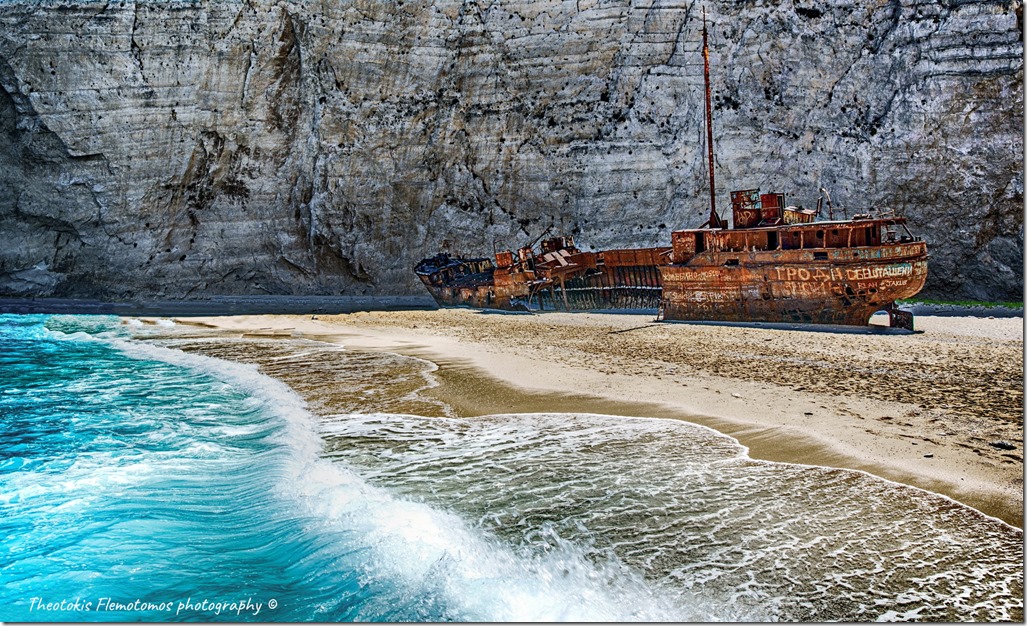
x: 554, y: 276
x: 775, y: 263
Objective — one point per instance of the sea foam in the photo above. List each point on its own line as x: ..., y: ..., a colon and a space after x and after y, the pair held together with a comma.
x: 424, y: 550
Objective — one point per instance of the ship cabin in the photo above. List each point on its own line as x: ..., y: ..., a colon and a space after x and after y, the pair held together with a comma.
x: 762, y: 222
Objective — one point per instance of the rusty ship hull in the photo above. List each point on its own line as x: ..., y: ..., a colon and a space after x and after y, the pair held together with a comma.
x: 844, y: 287
x: 559, y: 277
x: 779, y: 265
x: 797, y: 271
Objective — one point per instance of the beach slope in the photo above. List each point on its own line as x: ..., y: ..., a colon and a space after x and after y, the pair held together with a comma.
x: 941, y: 409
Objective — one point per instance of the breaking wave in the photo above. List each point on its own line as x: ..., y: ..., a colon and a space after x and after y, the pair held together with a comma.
x: 138, y: 471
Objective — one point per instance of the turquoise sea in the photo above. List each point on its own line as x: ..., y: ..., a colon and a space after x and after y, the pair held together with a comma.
x: 161, y: 473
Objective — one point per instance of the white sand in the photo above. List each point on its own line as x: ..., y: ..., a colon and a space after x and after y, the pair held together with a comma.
x: 919, y: 409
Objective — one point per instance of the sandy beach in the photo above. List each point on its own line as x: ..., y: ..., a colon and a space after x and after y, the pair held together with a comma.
x: 941, y: 409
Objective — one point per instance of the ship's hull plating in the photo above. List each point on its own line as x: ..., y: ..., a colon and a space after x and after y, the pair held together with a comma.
x: 476, y: 297
x: 813, y: 286
x: 628, y: 287
x: 826, y: 286
x: 622, y: 287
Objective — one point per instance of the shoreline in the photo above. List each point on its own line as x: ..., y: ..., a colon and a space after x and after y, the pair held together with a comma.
x: 549, y: 358
x: 307, y: 305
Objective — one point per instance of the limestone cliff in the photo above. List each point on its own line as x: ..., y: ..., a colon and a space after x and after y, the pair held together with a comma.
x: 188, y: 147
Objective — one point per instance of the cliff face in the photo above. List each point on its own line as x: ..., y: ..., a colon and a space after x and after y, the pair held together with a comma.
x: 192, y: 147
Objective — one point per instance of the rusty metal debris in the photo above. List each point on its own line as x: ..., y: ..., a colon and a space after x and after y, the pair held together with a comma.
x: 556, y: 276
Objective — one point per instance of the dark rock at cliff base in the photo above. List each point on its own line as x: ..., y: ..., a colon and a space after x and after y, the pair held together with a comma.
x: 172, y: 149
x: 218, y: 305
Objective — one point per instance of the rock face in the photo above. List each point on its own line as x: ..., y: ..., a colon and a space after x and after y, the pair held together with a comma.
x: 187, y: 147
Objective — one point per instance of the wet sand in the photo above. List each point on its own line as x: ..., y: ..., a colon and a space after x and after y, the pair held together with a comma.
x: 941, y: 409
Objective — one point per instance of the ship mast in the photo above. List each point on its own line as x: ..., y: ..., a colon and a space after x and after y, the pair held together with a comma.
x: 714, y: 218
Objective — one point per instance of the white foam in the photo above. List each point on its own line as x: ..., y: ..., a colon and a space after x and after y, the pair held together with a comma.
x: 481, y: 579
x: 75, y: 336
x: 426, y: 549
x: 433, y: 552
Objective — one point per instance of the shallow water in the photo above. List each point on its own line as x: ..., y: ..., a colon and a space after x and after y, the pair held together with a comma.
x: 139, y: 466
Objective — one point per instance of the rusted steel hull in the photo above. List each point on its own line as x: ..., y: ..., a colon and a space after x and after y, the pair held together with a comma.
x: 475, y: 297
x: 618, y: 287
x: 565, y: 281
x: 458, y: 282
x: 834, y: 286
